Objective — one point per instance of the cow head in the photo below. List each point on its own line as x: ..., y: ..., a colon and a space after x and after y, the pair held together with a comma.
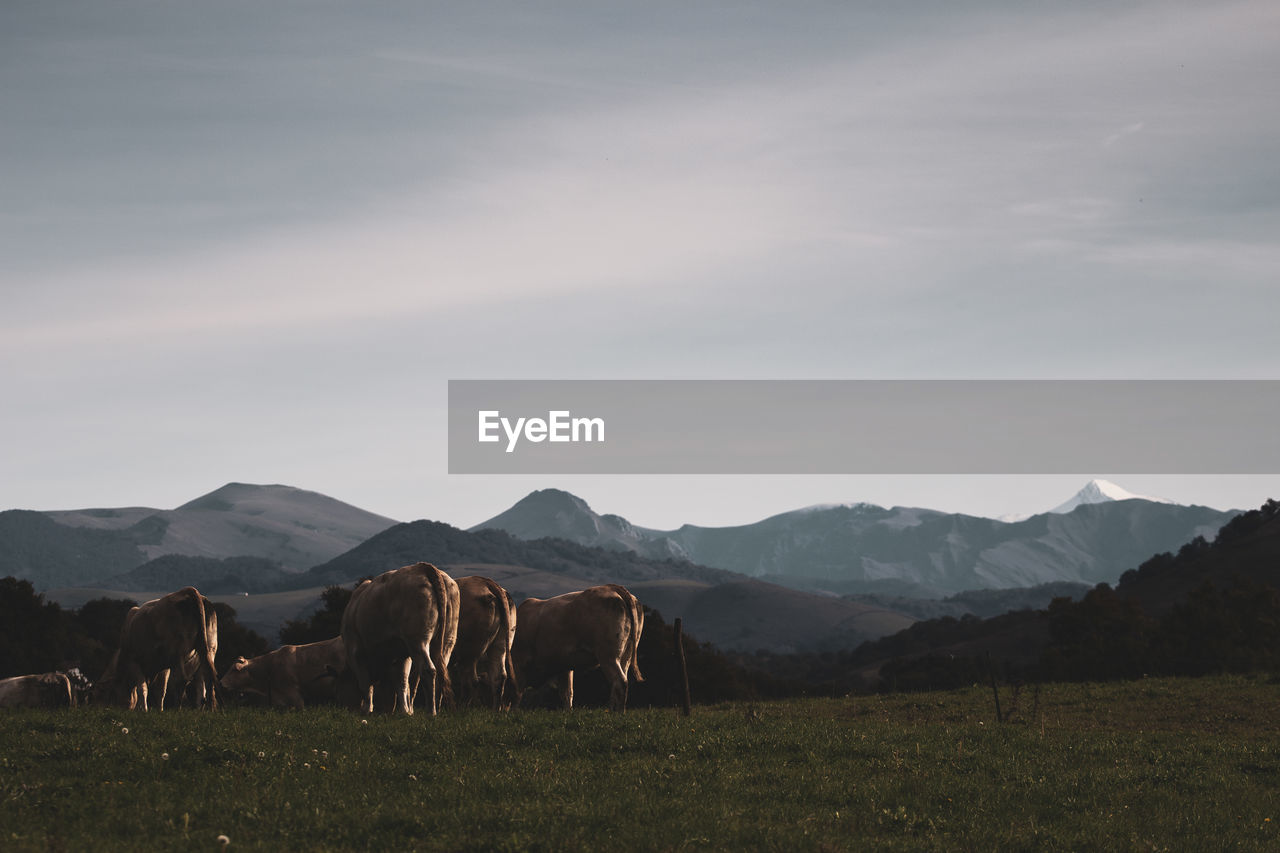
x: 239, y: 678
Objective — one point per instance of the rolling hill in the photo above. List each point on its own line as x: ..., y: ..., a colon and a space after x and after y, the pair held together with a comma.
x: 291, y: 528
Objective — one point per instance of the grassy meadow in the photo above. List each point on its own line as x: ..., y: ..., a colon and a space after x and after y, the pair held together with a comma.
x: 1148, y: 765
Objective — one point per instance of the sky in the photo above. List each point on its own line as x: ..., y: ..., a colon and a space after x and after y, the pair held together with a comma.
x: 252, y: 242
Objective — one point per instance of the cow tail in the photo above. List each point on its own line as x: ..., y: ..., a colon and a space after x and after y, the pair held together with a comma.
x: 437, y: 642
x: 635, y: 621
x: 504, y: 619
x: 206, y: 652
x: 636, y: 615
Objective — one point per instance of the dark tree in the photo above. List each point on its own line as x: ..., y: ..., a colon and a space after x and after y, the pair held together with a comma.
x: 97, y: 631
x: 235, y: 640
x: 324, y: 624
x: 34, y: 635
x: 1102, y: 636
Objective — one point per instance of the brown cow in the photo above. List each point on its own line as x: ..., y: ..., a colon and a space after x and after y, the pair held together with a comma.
x: 395, y: 626
x: 486, y: 629
x: 157, y: 637
x: 291, y: 676
x: 599, y: 626
x: 189, y: 688
x: 47, y: 690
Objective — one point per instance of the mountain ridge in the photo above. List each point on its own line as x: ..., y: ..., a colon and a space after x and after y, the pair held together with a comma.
x: 864, y: 548
x: 290, y: 527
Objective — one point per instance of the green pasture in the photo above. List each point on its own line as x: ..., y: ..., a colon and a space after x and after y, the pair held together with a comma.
x: 1148, y: 765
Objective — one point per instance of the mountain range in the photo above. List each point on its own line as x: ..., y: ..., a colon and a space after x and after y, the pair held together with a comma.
x: 783, y: 583
x: 907, y: 551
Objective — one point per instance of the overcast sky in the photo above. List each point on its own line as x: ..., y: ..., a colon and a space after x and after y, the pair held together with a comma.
x: 252, y: 241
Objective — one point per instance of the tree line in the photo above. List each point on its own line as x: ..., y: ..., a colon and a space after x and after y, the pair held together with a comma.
x: 41, y: 636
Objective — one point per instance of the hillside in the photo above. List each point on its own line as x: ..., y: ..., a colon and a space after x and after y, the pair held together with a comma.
x: 1246, y: 548
x: 291, y: 528
x: 36, y: 548
x: 229, y: 576
x: 1211, y: 607
x: 923, y: 553
x: 444, y: 544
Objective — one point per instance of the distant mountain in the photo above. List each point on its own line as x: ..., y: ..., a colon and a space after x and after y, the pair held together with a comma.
x: 862, y: 548
x: 1094, y: 492
x: 289, y: 527
x: 559, y: 514
x: 1102, y: 491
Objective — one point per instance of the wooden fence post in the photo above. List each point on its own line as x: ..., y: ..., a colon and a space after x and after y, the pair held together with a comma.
x: 685, y: 700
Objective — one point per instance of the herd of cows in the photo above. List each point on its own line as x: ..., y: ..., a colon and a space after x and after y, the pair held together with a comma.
x: 407, y: 628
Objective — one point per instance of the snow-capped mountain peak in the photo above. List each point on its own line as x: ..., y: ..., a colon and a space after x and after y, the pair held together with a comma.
x: 1102, y: 491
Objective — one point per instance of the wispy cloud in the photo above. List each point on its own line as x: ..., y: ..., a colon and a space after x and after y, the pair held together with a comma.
x: 1127, y: 130
x: 815, y: 190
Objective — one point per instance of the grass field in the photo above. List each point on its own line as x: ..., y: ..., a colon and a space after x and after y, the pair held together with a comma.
x: 1155, y: 764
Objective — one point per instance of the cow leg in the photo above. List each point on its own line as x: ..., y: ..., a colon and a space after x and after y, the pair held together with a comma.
x: 468, y: 684
x: 138, y: 696
x: 617, y: 685
x: 364, y: 682
x: 162, y: 682
x: 199, y: 692
x: 404, y: 696
x: 415, y: 678
x: 566, y: 690
x: 287, y: 696
x: 497, y: 680
x: 428, y: 675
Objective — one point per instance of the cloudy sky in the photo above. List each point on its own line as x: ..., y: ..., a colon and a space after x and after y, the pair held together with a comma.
x: 252, y: 242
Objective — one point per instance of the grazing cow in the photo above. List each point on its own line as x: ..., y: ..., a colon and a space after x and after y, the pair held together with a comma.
x: 395, y: 627
x: 188, y: 688
x: 157, y: 638
x: 291, y: 676
x: 47, y: 690
x: 486, y: 629
x: 598, y: 626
